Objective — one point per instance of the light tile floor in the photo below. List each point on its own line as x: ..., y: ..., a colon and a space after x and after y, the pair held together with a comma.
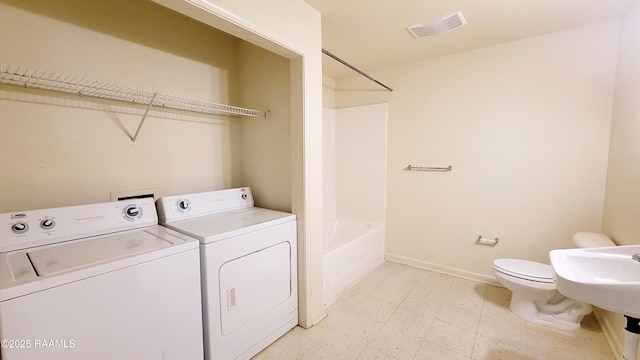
x: 402, y: 312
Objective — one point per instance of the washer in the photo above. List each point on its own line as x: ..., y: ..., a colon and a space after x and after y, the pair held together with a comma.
x: 99, y: 281
x: 249, y: 268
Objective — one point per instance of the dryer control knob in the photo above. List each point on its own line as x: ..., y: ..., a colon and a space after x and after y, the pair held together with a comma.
x: 183, y: 204
x: 19, y: 228
x: 47, y: 224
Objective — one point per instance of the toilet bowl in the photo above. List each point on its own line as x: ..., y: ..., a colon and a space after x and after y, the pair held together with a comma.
x: 535, y: 297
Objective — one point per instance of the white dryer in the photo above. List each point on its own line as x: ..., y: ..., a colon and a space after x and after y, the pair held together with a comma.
x: 99, y: 281
x: 249, y: 268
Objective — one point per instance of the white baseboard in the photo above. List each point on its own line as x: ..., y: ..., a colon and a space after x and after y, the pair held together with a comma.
x: 443, y: 269
x: 610, y: 332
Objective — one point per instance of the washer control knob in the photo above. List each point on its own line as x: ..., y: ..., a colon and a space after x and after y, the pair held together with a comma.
x: 244, y: 196
x: 19, y: 228
x: 47, y: 224
x: 183, y: 204
x: 132, y: 211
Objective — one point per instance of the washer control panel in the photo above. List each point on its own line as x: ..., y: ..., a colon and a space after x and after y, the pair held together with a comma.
x: 20, y: 230
x: 173, y: 208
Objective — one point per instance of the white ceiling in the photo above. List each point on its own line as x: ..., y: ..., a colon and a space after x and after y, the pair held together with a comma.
x: 371, y: 34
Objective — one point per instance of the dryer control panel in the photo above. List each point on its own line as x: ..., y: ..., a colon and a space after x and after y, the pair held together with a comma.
x: 25, y: 229
x: 179, y: 207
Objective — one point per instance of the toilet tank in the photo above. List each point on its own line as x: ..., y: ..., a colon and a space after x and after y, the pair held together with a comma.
x: 589, y: 240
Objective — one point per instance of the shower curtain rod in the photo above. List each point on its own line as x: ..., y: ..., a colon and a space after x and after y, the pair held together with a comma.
x: 355, y: 69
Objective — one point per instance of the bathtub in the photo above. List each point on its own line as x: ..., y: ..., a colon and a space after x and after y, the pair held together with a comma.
x: 352, y: 249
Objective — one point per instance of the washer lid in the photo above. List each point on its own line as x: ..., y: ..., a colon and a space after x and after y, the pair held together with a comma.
x: 57, y: 259
x: 525, y: 269
x: 36, y: 269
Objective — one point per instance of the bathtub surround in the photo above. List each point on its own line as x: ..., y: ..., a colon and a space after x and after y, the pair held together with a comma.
x: 354, y: 165
x: 355, y: 162
x: 329, y: 162
x: 352, y: 249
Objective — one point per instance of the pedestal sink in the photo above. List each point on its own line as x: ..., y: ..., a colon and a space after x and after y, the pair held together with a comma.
x: 608, y: 278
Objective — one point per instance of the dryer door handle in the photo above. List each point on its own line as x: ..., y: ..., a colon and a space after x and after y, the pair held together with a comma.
x: 231, y: 299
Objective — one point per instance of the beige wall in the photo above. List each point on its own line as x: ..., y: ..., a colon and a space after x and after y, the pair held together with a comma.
x: 622, y: 199
x: 525, y: 126
x: 622, y: 205
x: 328, y: 92
x: 266, y: 144
x: 61, y: 151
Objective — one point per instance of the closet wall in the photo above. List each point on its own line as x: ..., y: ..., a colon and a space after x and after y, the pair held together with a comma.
x: 66, y: 150
x: 266, y: 144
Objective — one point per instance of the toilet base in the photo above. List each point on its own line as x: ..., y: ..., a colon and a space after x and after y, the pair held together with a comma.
x: 565, y: 314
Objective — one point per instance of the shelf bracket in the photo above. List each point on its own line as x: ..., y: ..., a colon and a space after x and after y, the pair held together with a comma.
x: 135, y: 136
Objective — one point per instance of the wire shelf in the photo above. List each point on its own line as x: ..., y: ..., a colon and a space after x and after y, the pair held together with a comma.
x: 69, y: 84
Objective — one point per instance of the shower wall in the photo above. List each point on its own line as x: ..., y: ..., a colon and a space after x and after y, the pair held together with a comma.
x: 329, y: 162
x: 354, y: 162
x: 354, y: 165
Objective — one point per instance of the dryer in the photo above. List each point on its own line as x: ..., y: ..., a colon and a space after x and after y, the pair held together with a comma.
x: 249, y: 268
x: 99, y: 281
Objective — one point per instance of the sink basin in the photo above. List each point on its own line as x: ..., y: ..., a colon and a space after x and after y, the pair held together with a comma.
x: 605, y: 277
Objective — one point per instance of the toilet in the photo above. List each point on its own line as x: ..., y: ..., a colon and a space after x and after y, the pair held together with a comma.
x: 535, y: 297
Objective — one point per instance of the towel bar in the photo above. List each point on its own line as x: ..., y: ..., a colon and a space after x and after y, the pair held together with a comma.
x: 423, y: 168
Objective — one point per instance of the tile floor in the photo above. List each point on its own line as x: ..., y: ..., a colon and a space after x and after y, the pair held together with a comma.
x: 402, y: 312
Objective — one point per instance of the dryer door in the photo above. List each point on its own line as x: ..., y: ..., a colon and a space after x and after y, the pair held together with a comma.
x: 254, y: 284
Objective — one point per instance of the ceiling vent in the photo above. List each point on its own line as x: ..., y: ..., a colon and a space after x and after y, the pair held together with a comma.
x: 440, y: 26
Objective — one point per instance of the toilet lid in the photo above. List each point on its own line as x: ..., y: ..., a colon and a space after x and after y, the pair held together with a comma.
x: 525, y: 269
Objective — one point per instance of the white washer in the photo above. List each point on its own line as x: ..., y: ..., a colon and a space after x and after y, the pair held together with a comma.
x: 249, y: 268
x: 100, y: 281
